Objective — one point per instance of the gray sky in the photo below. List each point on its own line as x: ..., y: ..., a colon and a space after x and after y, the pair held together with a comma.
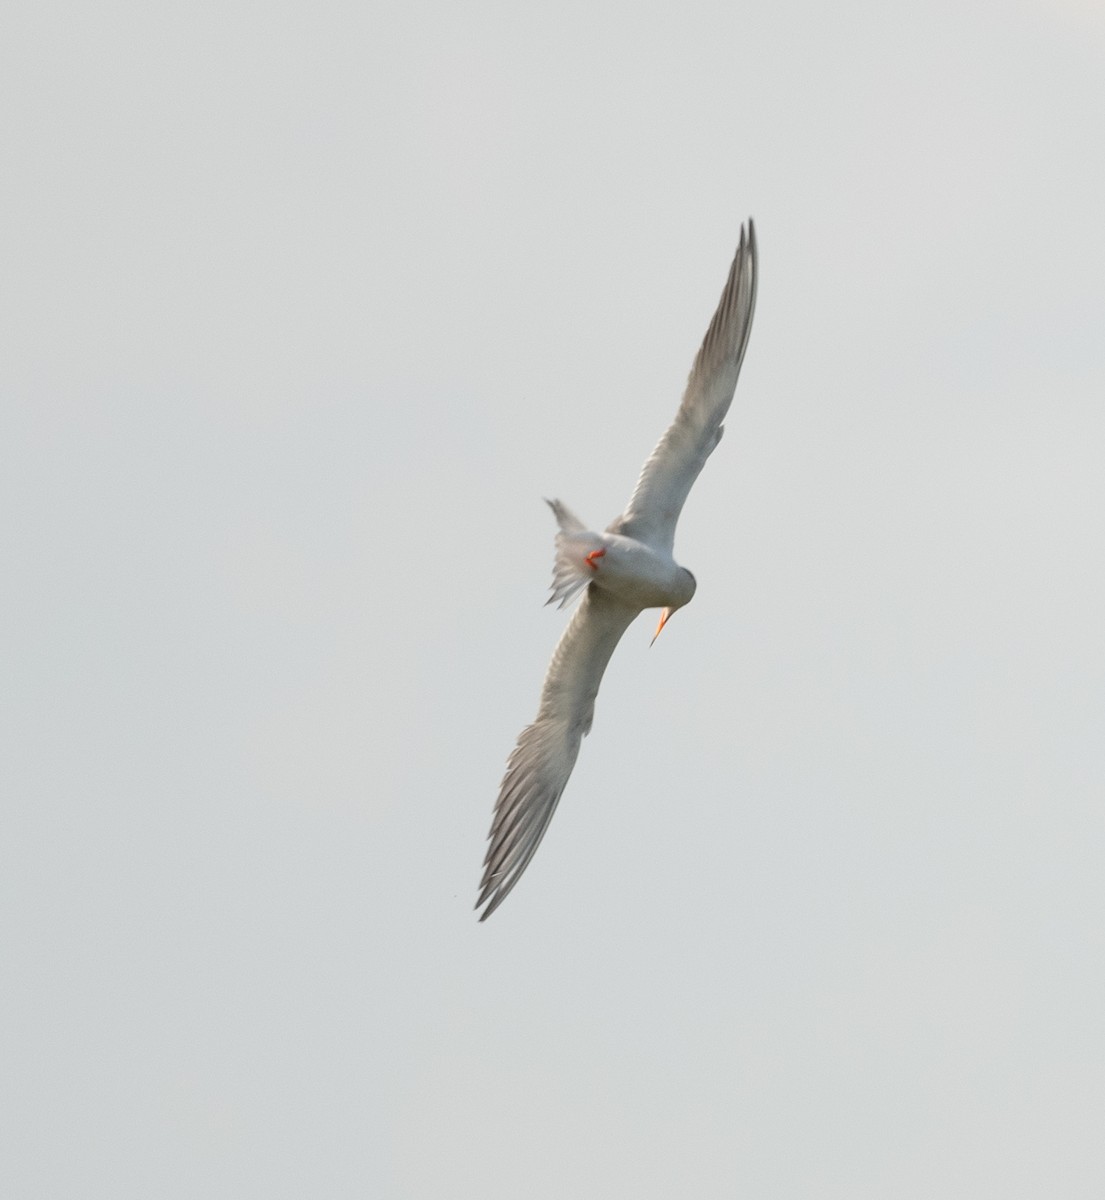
x: 304, y: 311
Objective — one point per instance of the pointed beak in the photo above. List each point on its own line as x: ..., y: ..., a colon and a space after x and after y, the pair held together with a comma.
x: 663, y: 621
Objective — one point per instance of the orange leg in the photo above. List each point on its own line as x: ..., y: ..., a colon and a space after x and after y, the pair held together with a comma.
x: 590, y: 559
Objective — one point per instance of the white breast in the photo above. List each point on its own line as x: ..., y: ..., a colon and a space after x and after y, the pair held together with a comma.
x: 641, y: 576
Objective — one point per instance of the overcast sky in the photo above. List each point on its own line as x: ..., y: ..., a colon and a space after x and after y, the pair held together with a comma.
x: 304, y: 310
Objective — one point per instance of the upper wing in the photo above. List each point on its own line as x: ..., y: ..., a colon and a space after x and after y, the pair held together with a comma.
x: 540, y: 764
x: 681, y: 453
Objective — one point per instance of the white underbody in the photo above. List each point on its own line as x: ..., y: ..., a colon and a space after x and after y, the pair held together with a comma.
x: 638, y: 575
x: 624, y: 568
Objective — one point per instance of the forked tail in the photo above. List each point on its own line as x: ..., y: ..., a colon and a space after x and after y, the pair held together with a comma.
x: 572, y: 571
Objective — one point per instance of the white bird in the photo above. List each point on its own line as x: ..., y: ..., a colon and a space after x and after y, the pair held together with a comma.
x: 625, y: 570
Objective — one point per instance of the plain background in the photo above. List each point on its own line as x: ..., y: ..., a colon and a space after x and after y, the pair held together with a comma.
x: 305, y: 307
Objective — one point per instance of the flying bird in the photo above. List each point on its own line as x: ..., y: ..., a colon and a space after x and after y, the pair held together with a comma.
x: 625, y: 570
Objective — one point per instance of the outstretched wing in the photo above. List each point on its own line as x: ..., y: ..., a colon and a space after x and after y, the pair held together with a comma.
x: 539, y: 767
x: 681, y: 453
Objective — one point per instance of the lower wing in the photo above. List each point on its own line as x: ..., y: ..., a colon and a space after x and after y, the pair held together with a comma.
x: 542, y: 761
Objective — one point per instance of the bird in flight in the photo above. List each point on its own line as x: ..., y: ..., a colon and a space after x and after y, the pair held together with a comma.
x: 625, y: 570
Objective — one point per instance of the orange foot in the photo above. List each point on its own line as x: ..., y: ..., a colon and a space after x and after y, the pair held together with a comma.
x: 590, y: 559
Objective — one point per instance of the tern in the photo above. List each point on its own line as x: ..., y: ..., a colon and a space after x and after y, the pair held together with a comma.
x: 625, y: 570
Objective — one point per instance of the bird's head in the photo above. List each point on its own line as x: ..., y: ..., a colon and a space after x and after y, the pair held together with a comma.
x: 682, y: 593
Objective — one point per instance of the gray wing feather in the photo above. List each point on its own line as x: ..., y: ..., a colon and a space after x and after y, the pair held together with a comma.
x: 539, y: 767
x: 681, y: 453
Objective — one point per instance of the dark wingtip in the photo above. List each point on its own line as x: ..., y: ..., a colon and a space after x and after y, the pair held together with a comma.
x: 495, y: 902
